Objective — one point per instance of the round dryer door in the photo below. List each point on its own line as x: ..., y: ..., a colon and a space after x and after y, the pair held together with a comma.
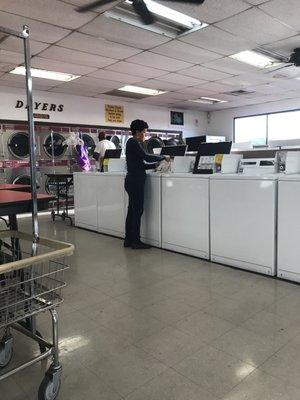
x: 18, y: 145
x: 154, y: 143
x: 24, y: 180
x: 55, y: 148
x: 89, y: 143
x: 116, y: 141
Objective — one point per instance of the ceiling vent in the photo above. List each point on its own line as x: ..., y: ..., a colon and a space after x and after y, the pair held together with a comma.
x: 130, y: 95
x: 240, y: 92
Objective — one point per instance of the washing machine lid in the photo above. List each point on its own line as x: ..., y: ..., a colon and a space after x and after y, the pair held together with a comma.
x: 18, y: 145
x: 58, y: 147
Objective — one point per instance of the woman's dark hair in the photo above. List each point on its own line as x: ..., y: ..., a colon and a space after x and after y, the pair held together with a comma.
x: 138, y: 125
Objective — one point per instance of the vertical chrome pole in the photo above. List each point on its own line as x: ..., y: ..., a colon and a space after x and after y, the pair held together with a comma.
x: 32, y: 140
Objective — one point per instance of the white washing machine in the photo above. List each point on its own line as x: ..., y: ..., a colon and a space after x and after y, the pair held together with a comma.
x: 289, y: 227
x: 243, y: 216
x: 85, y: 200
x: 185, y: 214
x: 151, y: 219
x: 111, y: 203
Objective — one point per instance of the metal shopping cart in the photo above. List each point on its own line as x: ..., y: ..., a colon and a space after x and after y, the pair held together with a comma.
x: 30, y: 285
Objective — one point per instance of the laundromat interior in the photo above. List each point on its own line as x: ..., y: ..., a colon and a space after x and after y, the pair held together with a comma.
x: 150, y: 199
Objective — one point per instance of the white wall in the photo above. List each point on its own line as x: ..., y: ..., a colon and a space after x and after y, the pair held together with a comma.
x: 90, y: 111
x: 221, y: 122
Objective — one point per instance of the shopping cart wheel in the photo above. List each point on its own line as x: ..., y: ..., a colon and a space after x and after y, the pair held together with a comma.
x: 6, y: 350
x: 49, y: 388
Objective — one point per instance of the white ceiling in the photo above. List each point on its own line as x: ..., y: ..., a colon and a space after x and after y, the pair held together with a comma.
x: 109, y: 54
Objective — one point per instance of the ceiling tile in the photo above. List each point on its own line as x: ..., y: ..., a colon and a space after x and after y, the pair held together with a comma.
x: 268, y: 29
x: 219, y: 41
x: 212, y: 10
x: 36, y: 82
x: 204, y: 73
x: 116, y: 76
x: 5, y: 67
x: 53, y: 65
x: 38, y: 30
x: 247, y: 79
x: 52, y: 11
x: 76, y: 57
x: 15, y: 44
x: 217, y: 87
x: 196, y: 92
x: 160, y: 85
x: 114, y: 98
x: 230, y: 66
x: 284, y: 73
x: 120, y: 32
x: 173, y: 96
x: 135, y: 69
x: 76, y: 90
x: 106, y: 7
x: 158, y: 61
x: 11, y: 57
x: 285, y: 46
x: 256, y: 2
x: 287, y: 11
x: 182, y: 79
x: 185, y: 52
x: 94, y: 83
x: 268, y: 88
x: 188, y: 105
x: 102, y: 47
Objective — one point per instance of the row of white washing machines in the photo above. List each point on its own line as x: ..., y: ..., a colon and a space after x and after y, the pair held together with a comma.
x: 249, y: 222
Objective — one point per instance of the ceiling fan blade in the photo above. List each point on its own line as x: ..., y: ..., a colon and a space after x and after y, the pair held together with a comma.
x: 93, y: 5
x: 142, y: 10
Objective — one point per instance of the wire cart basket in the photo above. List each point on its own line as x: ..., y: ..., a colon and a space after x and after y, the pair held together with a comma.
x: 31, y: 284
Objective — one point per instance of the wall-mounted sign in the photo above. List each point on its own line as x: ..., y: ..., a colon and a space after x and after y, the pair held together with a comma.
x: 41, y: 106
x: 176, y: 118
x: 114, y: 113
x: 41, y: 116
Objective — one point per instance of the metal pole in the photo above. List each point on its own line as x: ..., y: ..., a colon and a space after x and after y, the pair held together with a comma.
x: 32, y: 141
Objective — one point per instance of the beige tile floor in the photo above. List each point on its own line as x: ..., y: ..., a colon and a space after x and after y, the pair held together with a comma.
x: 154, y: 325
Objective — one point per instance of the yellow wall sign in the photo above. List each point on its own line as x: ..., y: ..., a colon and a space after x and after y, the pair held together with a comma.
x: 114, y: 113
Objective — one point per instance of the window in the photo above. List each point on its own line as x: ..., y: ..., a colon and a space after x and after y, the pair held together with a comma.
x: 275, y: 129
x: 251, y: 129
x: 284, y: 126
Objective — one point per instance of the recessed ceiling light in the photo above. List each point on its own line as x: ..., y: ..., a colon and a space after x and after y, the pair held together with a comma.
x: 208, y: 100
x: 168, y: 22
x: 141, y: 90
x: 256, y: 59
x: 44, y: 74
x: 170, y: 14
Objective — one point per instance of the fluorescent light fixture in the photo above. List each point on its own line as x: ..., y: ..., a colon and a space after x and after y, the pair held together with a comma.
x: 42, y: 73
x: 208, y: 100
x: 172, y: 15
x: 141, y: 90
x: 256, y: 59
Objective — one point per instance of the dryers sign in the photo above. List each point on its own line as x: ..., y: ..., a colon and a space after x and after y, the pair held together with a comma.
x: 40, y: 106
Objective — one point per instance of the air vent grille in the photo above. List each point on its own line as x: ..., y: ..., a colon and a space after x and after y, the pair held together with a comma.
x: 240, y: 92
x: 121, y: 93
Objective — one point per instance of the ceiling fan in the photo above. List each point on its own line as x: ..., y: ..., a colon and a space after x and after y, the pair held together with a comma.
x: 139, y: 5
